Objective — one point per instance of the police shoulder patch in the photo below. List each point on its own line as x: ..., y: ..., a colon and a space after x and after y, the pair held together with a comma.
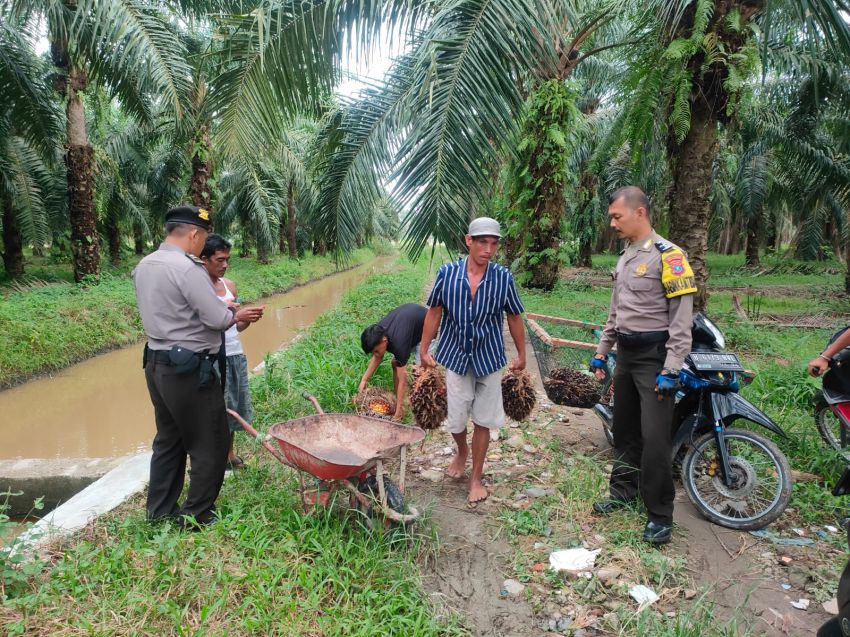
x: 677, y: 277
x: 664, y: 246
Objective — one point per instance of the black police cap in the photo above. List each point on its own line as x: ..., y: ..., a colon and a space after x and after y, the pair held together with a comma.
x: 190, y: 214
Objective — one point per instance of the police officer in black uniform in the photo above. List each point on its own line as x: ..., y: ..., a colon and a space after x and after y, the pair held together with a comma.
x: 183, y: 319
x: 650, y: 321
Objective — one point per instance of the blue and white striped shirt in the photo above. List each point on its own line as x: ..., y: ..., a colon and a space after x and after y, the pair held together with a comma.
x: 471, y: 329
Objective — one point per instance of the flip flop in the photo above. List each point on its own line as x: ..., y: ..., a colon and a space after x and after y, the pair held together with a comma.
x: 235, y: 464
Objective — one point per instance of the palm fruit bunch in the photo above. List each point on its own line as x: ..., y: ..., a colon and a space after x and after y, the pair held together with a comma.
x: 518, y: 394
x: 375, y: 402
x: 428, y: 398
x: 572, y: 387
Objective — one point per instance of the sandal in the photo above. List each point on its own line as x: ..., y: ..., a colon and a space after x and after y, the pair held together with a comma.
x: 235, y: 464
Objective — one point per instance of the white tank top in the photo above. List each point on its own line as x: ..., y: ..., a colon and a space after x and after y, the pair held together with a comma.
x: 232, y: 344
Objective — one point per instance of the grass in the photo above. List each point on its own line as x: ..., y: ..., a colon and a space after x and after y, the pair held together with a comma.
x: 330, y: 362
x: 266, y: 568
x: 565, y: 516
x: 47, y: 326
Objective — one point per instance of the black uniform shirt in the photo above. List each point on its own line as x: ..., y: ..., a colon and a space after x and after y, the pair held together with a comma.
x: 403, y: 329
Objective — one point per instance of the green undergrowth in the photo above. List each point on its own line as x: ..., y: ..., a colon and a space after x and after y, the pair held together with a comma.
x: 266, y: 568
x: 728, y: 270
x: 44, y: 327
x: 329, y: 361
x: 562, y: 519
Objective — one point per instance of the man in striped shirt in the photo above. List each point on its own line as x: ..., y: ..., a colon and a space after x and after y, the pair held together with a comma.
x: 468, y: 302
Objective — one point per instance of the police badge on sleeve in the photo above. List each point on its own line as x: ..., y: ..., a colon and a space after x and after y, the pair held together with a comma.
x: 677, y: 277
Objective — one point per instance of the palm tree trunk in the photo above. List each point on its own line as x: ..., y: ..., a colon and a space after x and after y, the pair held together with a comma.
x: 585, y: 253
x: 587, y: 227
x: 113, y: 236
x: 847, y: 261
x: 263, y: 253
x: 13, y: 244
x: 202, y: 169
x: 291, y: 227
x: 247, y: 240
x: 752, y: 253
x: 138, y: 239
x: 690, y: 205
x: 79, y: 161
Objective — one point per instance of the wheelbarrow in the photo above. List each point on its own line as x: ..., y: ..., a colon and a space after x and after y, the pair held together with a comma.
x: 344, y: 451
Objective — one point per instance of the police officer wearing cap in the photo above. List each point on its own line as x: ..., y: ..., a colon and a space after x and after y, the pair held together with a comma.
x: 650, y: 321
x: 184, y: 319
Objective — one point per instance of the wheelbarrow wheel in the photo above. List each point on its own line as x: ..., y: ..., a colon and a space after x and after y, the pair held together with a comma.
x: 369, y: 488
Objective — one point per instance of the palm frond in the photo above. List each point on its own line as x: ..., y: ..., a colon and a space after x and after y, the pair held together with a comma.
x: 465, y: 110
x: 28, y: 183
x: 131, y: 49
x: 357, y: 157
x: 27, y: 100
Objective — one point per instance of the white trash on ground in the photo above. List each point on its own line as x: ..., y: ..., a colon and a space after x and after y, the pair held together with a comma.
x: 573, y: 560
x: 643, y: 595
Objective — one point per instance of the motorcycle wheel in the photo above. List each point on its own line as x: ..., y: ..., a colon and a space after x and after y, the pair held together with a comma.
x: 764, y: 480
x: 831, y: 430
x: 395, y: 500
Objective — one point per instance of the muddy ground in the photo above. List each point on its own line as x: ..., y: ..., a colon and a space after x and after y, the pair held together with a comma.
x: 740, y: 575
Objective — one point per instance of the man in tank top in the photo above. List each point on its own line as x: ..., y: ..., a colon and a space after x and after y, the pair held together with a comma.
x: 237, y: 395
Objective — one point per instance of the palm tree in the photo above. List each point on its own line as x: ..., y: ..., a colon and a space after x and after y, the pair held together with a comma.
x: 691, y: 72
x: 29, y: 128
x: 128, y: 48
x: 122, y: 167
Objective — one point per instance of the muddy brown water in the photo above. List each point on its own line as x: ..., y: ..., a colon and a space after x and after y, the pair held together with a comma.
x: 100, y: 407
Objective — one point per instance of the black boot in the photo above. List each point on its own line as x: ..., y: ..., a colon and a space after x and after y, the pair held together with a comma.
x: 657, y: 533
x: 604, y: 507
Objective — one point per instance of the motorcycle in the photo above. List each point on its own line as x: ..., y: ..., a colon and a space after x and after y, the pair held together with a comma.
x: 832, y: 417
x: 737, y: 478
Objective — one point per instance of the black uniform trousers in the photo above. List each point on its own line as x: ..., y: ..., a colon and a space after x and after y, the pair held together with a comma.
x: 642, y: 433
x: 840, y: 626
x: 192, y: 421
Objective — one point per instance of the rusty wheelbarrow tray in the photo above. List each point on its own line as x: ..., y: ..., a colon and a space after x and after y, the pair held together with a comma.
x: 339, y: 449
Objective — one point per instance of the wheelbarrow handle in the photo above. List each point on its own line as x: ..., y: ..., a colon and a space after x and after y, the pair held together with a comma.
x: 264, y: 440
x: 308, y: 396
x: 244, y: 423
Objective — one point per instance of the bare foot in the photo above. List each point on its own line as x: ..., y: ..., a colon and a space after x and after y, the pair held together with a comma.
x: 477, y: 492
x: 458, y: 466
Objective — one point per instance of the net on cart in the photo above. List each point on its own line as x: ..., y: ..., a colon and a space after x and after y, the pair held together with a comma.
x: 563, y: 348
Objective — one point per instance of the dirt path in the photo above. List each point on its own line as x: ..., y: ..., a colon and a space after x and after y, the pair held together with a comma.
x: 467, y: 573
x: 739, y: 573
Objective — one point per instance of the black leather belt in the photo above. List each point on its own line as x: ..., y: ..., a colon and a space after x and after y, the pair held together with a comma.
x: 639, y: 339
x: 162, y: 356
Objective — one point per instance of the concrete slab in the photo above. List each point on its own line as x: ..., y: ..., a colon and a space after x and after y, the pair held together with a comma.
x: 103, y: 495
x: 55, y: 480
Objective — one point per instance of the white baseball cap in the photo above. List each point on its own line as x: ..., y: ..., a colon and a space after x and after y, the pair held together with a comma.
x: 484, y: 226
